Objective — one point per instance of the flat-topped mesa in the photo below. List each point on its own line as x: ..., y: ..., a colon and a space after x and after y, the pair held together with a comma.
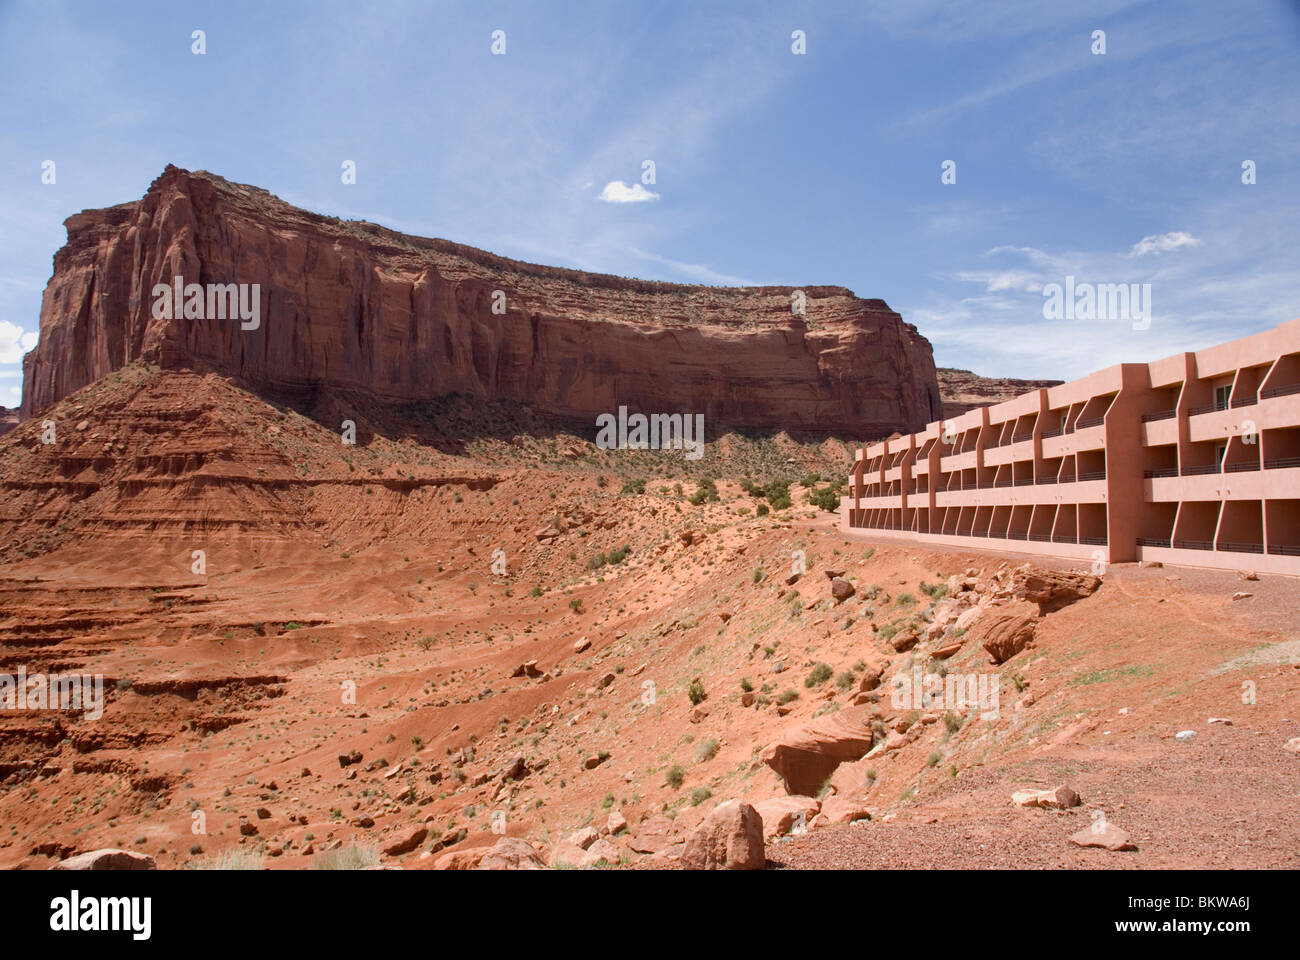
x: 351, y: 306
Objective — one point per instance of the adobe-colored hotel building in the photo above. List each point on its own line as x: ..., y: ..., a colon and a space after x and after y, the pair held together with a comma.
x: 1191, y: 460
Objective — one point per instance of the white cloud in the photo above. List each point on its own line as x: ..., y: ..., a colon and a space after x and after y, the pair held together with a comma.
x: 616, y: 191
x: 13, y: 342
x: 13, y: 396
x: 1163, y: 243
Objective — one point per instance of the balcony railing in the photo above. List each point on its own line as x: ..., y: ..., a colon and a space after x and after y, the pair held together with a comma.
x: 1244, y: 466
x: 1017, y: 536
x: 1154, y: 542
x: 1025, y: 482
x: 1281, y: 463
x: 1284, y: 549
x: 1160, y: 472
x: 1053, y: 432
x: 1002, y: 483
x: 1046, y: 480
x: 1064, y: 538
x: 1095, y: 541
x: 1041, y: 537
x: 1092, y: 475
x: 1284, y: 391
x: 1159, y: 415
x: 1193, y: 545
x: 1200, y: 469
x: 1244, y: 402
x: 1242, y: 547
x: 1207, y: 408
x: 1090, y: 422
x: 1067, y: 478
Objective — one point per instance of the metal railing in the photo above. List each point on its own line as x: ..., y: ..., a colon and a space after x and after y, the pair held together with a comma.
x: 1095, y: 541
x: 1285, y: 391
x: 1092, y: 475
x: 1281, y: 463
x: 1090, y: 422
x: 1207, y: 408
x: 1242, y: 547
x: 1284, y: 549
x: 1160, y: 472
x: 1193, y: 545
x: 1159, y: 415
x: 1154, y: 542
x: 1244, y: 402
x: 1243, y: 466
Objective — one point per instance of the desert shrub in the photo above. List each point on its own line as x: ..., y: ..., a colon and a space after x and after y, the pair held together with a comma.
x: 706, y: 750
x: 696, y: 692
x: 352, y: 857
x: 676, y: 776
x: 699, y: 795
x: 819, y: 675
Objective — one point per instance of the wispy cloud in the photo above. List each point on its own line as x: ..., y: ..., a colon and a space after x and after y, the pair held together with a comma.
x: 1163, y: 243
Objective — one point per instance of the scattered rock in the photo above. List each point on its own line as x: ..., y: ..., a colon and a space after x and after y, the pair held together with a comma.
x: 1242, y: 595
x: 841, y: 589
x: 1105, y: 835
x: 1058, y: 798
x: 580, y: 645
x: 1247, y: 575
x: 406, y: 842
x: 1184, y: 734
x: 1054, y: 589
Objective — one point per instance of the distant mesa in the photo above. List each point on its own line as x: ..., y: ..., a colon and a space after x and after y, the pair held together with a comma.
x: 348, y: 306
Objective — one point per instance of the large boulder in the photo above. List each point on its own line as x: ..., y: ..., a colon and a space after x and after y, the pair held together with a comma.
x: 1004, y: 635
x: 837, y: 809
x: 730, y: 838
x: 107, y: 859
x: 805, y: 756
x: 511, y: 853
x: 841, y: 589
x: 1053, y: 589
x: 783, y: 815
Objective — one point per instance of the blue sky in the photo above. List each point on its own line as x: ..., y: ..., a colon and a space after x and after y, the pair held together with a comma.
x: 771, y: 167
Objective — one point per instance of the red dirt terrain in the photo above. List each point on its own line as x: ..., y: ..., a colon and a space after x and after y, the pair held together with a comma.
x: 347, y: 675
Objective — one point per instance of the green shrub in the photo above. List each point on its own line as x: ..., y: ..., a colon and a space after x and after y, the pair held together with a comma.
x: 819, y: 675
x: 676, y: 776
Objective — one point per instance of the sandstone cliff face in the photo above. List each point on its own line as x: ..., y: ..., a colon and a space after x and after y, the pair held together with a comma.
x: 350, y: 306
x: 8, y: 419
x: 962, y: 390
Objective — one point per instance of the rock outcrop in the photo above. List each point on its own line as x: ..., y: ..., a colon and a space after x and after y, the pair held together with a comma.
x: 806, y: 755
x: 8, y: 419
x: 351, y: 307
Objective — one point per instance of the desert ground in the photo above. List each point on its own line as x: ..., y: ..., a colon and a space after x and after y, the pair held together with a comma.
x: 398, y: 653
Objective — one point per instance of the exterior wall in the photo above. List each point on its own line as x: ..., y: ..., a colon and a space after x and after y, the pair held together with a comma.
x: 1192, y: 460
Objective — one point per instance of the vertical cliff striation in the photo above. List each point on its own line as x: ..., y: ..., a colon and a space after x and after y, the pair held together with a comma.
x: 351, y: 306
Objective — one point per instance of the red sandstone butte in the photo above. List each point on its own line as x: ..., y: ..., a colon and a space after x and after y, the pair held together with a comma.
x: 351, y: 306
